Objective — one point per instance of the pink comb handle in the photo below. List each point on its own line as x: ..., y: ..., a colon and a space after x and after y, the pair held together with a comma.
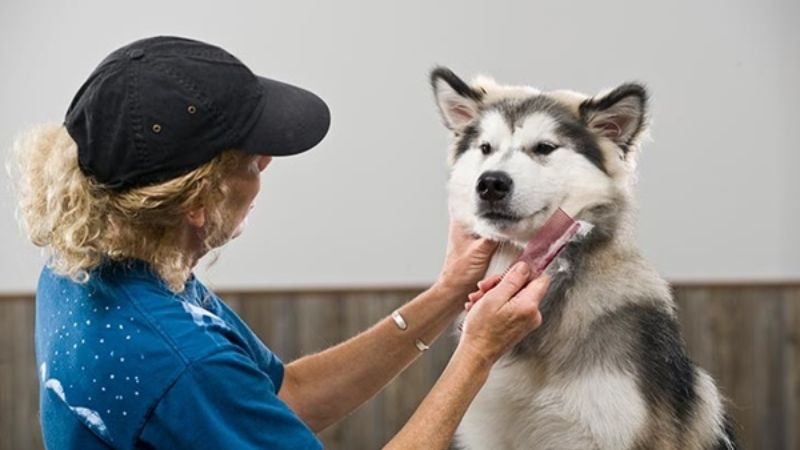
x: 543, y: 248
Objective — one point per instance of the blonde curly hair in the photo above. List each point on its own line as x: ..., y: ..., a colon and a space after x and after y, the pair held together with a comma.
x: 80, y: 223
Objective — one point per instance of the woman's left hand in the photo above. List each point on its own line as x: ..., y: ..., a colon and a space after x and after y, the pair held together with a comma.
x: 466, y: 261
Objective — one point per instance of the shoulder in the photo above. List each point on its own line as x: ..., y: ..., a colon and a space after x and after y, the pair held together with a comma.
x: 228, y: 402
x: 112, y: 347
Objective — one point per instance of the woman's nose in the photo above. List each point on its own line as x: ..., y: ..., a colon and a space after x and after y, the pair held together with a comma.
x: 263, y: 162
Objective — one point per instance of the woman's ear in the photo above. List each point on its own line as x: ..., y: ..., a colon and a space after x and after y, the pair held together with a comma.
x: 197, y: 217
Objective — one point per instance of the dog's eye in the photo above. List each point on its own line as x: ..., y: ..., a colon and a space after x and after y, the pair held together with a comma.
x: 544, y: 148
x: 486, y: 148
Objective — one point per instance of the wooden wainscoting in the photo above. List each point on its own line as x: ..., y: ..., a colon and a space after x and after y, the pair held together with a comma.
x: 746, y: 336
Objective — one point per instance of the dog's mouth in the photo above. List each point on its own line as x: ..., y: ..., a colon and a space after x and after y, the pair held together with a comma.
x: 504, y: 224
x: 506, y: 218
x: 499, y: 216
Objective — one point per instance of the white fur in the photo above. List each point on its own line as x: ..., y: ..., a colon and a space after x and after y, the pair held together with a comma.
x: 598, y: 410
x: 562, y: 179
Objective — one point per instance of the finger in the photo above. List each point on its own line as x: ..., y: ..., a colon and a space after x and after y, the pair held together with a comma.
x: 511, y: 283
x: 488, y: 283
x: 530, y: 296
x: 537, y: 319
x: 474, y: 296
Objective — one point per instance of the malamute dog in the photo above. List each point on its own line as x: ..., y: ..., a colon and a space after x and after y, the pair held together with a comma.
x: 607, y: 369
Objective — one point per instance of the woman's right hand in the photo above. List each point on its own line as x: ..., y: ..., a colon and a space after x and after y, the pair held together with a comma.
x: 505, y: 314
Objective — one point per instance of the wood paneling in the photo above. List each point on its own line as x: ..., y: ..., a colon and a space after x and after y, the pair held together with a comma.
x: 746, y: 337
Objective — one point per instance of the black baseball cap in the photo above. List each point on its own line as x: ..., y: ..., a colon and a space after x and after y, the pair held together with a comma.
x: 160, y: 107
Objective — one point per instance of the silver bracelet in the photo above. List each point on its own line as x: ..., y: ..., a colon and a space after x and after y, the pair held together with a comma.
x: 399, y: 320
x: 403, y: 326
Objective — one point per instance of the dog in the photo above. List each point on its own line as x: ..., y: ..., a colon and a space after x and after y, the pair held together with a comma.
x: 607, y: 369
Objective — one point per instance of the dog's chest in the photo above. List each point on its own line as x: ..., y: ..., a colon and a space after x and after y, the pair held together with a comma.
x: 521, y: 407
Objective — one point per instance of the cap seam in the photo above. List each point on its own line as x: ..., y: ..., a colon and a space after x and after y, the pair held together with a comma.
x: 143, y: 156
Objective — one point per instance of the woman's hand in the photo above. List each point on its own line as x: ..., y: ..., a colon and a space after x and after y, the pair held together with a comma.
x: 507, y: 312
x: 466, y: 261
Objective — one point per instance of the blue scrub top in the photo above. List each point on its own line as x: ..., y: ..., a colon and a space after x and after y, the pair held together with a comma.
x: 125, y: 363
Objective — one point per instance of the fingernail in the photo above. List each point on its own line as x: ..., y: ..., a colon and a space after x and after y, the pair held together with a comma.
x: 522, y: 268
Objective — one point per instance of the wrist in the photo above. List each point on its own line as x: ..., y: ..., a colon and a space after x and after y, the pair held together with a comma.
x: 474, y: 362
x: 450, y: 292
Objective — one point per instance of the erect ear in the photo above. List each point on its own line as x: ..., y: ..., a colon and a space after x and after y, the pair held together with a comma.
x: 620, y: 115
x: 458, y: 103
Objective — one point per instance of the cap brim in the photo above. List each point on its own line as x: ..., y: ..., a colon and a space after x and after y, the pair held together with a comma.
x: 292, y: 120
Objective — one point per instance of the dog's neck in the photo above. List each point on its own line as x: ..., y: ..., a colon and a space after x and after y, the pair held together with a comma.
x: 504, y: 256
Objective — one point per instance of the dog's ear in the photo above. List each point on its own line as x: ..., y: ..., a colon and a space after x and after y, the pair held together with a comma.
x: 458, y: 103
x: 620, y: 115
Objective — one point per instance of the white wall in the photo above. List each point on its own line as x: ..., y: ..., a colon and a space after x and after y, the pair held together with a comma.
x: 718, y: 189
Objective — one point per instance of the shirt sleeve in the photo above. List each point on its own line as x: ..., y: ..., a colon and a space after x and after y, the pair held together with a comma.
x: 225, y: 401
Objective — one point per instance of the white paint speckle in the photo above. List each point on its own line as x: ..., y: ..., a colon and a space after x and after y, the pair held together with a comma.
x: 202, y: 317
x: 90, y: 417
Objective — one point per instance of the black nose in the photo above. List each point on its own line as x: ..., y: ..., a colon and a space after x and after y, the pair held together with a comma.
x: 494, y: 186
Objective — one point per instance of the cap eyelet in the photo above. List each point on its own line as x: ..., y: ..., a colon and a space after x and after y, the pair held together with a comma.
x: 191, y: 109
x: 156, y: 128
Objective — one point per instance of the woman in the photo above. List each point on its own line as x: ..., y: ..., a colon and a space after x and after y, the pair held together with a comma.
x: 158, y: 162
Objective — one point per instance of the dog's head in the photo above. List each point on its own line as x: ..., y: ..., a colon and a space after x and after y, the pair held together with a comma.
x: 518, y: 154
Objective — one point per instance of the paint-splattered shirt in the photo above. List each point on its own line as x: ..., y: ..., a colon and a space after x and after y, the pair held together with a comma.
x: 125, y: 363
